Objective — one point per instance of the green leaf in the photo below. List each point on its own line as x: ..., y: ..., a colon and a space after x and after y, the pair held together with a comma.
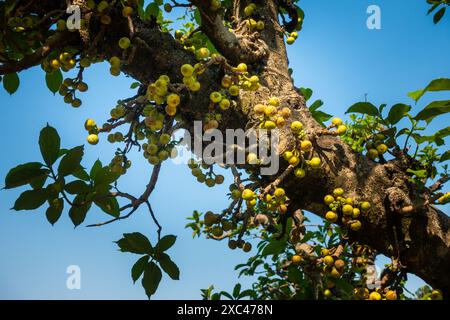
x: 23, y: 174
x: 316, y: 105
x: 102, y: 190
x: 105, y: 176
x: 54, y: 80
x: 247, y: 293
x: 418, y: 173
x: 437, y: 138
x: 152, y: 278
x: 438, y: 16
x: 364, y: 108
x: 11, y: 82
x: 433, y: 110
x: 169, y: 266
x: 81, y: 174
x: 433, y: 8
x: 71, y: 161
x: 206, y: 293
x: 440, y: 84
x: 306, y: 93
x: 30, y: 200
x: 321, y: 116
x: 439, y: 142
x: 79, y: 211
x: 55, y: 210
x: 308, y: 236
x: 135, y: 85
x: 135, y: 243
x: 125, y: 246
x: 301, y: 13
x: 49, y: 143
x: 141, y: 11
x: 294, y: 274
x: 236, y: 290
x: 198, y: 16
x: 226, y: 294
x: 419, y: 139
x: 77, y: 187
x: 95, y: 168
x: 38, y: 183
x: 445, y: 156
x: 62, y: 152
x: 274, y: 247
x: 138, y: 268
x: 109, y: 205
x: 215, y: 296
x: 443, y: 133
x: 152, y: 10
x: 166, y: 243
x: 344, y: 285
x: 403, y: 132
x: 397, y: 112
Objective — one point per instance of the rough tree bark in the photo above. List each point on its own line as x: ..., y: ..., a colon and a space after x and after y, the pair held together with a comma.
x: 399, y: 225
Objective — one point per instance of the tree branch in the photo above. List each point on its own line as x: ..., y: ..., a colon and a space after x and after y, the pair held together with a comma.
x: 236, y: 48
x: 58, y: 40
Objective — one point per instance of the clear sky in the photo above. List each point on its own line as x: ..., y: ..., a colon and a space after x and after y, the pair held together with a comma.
x: 336, y: 55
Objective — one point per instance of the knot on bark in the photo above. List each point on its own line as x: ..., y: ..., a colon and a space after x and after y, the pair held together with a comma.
x: 305, y: 250
x: 399, y: 201
x: 252, y: 48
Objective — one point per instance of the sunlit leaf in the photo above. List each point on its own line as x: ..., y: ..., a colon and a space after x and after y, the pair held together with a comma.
x: 435, y: 85
x: 397, y: 112
x: 433, y: 110
x: 363, y: 108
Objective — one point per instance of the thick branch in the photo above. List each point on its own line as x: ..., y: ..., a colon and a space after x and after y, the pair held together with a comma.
x: 59, y: 40
x: 236, y: 48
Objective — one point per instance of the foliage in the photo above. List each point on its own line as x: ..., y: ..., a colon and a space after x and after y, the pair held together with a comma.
x: 147, y: 265
x: 439, y: 7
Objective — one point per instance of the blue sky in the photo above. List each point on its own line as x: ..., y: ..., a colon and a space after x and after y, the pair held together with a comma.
x: 336, y: 55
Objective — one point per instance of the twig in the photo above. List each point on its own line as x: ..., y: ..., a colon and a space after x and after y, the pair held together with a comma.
x: 115, y: 219
x: 278, y: 180
x: 154, y: 219
x: 440, y: 183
